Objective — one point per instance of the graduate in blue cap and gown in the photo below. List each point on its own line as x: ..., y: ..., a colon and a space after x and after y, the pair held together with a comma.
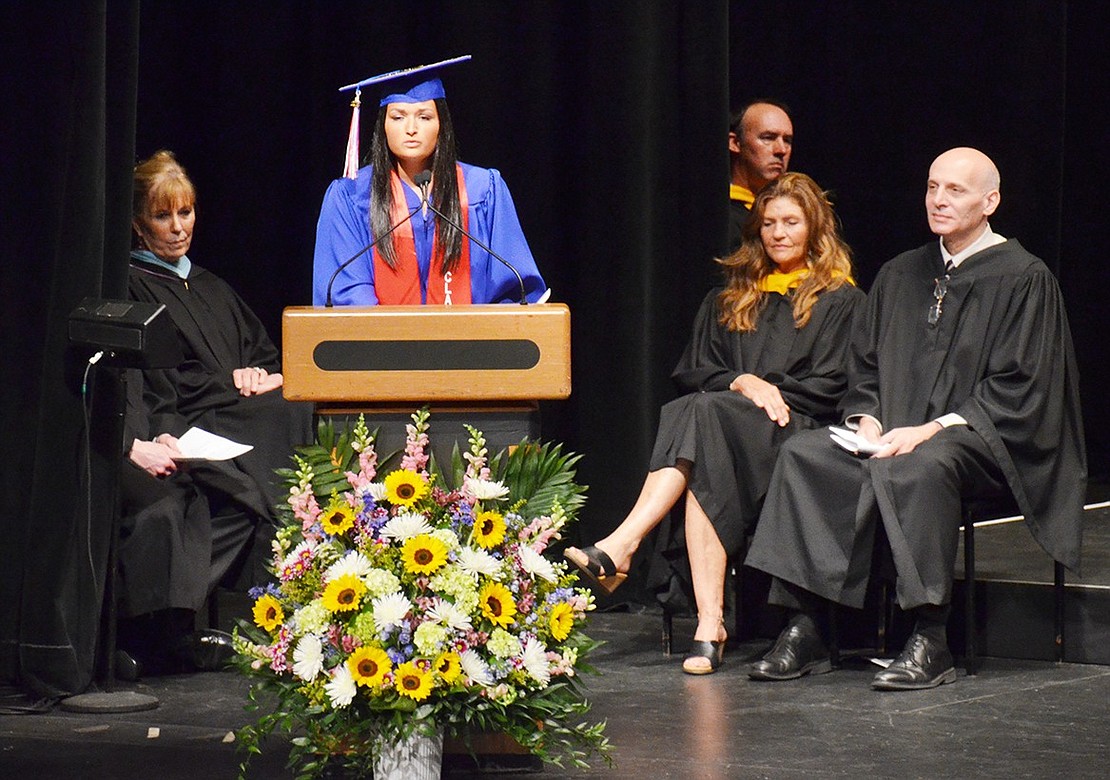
x: 425, y: 260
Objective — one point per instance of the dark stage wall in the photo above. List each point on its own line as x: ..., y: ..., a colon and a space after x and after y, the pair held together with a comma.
x: 608, y: 120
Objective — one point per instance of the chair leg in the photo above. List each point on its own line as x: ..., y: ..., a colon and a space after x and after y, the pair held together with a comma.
x: 971, y: 658
x: 834, y: 639
x: 668, y: 629
x: 735, y: 572
x: 214, y: 609
x: 1058, y: 595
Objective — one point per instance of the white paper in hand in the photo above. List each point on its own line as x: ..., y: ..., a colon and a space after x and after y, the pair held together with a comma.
x: 199, y: 444
x: 853, y: 442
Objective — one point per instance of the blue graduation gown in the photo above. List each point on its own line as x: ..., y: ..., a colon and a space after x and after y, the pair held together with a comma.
x: 344, y: 229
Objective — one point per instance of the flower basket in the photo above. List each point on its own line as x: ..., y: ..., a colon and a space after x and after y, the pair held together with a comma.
x: 416, y: 599
x: 419, y: 757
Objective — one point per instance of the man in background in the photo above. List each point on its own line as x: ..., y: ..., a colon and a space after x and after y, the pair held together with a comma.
x: 760, y: 139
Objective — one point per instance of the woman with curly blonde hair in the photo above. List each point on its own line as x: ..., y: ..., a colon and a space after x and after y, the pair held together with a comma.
x: 767, y: 359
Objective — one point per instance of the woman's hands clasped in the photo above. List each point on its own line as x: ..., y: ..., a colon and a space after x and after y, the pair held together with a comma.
x: 764, y: 395
x: 255, y: 380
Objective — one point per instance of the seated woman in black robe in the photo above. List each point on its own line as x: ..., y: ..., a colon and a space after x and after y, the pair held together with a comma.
x: 766, y: 359
x: 228, y: 384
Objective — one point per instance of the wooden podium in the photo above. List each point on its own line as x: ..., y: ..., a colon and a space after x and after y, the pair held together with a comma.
x: 492, y: 363
x: 391, y: 354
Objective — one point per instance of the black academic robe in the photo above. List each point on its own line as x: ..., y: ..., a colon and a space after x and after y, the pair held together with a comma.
x: 730, y: 443
x: 219, y: 333
x: 738, y: 216
x: 165, y: 536
x: 1001, y: 356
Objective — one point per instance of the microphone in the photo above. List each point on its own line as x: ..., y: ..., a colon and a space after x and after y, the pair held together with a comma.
x: 361, y: 252
x: 422, y: 180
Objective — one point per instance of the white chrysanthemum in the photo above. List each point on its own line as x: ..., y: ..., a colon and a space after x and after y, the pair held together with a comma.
x: 308, y: 657
x: 475, y: 668
x: 389, y: 610
x: 450, y: 615
x: 375, y: 489
x: 484, y: 489
x: 536, y: 565
x: 341, y: 688
x: 307, y: 545
x: 353, y: 562
x: 535, y: 661
x: 479, y: 562
x: 405, y: 526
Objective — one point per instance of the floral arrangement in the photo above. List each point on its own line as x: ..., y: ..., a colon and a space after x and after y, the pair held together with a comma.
x: 409, y: 601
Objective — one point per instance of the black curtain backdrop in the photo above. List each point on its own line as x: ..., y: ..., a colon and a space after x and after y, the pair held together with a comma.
x: 607, y: 119
x: 69, y: 82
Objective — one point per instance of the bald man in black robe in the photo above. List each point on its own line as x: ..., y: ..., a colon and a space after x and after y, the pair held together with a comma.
x: 964, y: 379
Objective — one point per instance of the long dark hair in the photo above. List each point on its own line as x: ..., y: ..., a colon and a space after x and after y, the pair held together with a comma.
x: 445, y: 193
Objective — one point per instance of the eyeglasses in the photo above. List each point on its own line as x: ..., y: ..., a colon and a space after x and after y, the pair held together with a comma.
x: 940, y: 289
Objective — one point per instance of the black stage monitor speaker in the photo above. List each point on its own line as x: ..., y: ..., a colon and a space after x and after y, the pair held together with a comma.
x: 132, y: 334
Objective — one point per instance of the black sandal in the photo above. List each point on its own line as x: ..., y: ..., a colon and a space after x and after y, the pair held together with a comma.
x: 714, y: 652
x: 597, y: 566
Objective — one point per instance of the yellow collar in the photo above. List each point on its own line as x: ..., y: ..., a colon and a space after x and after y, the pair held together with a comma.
x: 778, y: 282
x: 742, y: 194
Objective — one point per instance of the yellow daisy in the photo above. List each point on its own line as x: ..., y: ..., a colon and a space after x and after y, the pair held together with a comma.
x: 448, y: 666
x: 337, y: 517
x: 423, y: 554
x: 489, y: 529
x: 412, y: 681
x: 496, y: 603
x: 369, y: 666
x: 561, y: 621
x: 405, y: 487
x: 268, y: 614
x: 343, y: 594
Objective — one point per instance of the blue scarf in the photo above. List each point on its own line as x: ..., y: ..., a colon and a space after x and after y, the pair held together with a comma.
x: 181, y: 268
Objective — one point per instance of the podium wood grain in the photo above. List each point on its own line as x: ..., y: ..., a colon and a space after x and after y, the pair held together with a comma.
x: 492, y: 352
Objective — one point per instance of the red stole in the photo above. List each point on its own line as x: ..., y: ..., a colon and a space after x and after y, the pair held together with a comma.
x: 401, y: 284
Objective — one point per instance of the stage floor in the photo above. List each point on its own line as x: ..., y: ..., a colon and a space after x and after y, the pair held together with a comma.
x: 1015, y: 719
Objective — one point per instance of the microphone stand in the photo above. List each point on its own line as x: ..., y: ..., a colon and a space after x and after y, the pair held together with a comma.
x: 422, y: 180
x: 363, y: 251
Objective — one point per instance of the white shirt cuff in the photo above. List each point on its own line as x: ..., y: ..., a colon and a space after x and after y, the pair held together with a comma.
x: 852, y: 421
x: 950, y: 419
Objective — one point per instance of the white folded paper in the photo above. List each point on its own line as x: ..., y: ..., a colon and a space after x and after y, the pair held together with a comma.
x: 199, y: 444
x: 853, y: 442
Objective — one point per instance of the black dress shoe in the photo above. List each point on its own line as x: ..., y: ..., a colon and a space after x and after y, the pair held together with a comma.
x: 797, y: 652
x: 924, y: 663
x: 210, y: 650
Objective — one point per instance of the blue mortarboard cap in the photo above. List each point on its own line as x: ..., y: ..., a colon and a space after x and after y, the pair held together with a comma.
x: 411, y: 85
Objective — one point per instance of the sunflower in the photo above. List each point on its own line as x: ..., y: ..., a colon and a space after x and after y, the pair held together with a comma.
x: 343, y: 594
x: 561, y: 620
x: 369, y: 665
x: 423, y: 554
x: 496, y: 603
x: 489, y: 529
x: 412, y: 681
x: 268, y: 614
x: 448, y: 667
x: 405, y: 487
x: 337, y: 517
